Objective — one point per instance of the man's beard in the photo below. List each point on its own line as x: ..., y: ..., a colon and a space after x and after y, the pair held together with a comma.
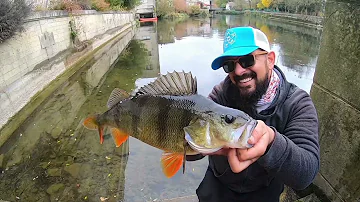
x: 244, y: 99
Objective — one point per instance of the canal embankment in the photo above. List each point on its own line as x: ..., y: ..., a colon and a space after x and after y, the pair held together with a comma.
x: 296, y: 19
x: 53, y: 45
x: 289, y: 18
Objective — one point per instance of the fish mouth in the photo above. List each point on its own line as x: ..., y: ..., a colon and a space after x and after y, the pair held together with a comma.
x: 200, y: 148
x: 241, y: 136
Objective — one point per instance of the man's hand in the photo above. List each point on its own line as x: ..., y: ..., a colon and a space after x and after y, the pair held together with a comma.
x: 240, y: 159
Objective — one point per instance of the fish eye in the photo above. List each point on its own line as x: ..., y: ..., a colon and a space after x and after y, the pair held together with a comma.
x: 229, y: 119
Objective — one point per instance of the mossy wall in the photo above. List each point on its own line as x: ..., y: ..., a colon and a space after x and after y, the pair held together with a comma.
x: 336, y: 95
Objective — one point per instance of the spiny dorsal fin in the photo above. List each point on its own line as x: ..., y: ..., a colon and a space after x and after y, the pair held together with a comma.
x: 176, y: 83
x: 116, y: 96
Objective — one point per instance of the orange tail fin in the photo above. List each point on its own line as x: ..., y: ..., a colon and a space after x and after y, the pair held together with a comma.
x: 90, y: 123
x: 119, y: 136
x: 171, y: 163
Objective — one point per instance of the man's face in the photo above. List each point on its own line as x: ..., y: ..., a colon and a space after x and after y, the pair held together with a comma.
x: 254, y: 80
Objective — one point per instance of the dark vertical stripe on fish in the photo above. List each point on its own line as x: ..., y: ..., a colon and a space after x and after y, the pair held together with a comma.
x: 186, y: 116
x: 163, y: 116
x: 136, y: 109
x: 117, y: 114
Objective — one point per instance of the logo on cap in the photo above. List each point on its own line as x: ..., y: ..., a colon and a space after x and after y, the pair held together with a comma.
x: 230, y: 38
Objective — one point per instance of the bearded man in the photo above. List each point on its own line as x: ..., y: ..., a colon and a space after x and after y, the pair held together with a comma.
x: 286, y: 147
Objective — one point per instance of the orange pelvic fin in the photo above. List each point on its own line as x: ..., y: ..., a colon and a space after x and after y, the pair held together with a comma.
x: 119, y: 136
x: 171, y: 163
x: 90, y: 123
x: 101, y: 134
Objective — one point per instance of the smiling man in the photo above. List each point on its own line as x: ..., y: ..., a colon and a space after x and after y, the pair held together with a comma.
x: 286, y: 148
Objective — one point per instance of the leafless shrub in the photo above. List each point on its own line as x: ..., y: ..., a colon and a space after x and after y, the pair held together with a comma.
x: 12, y: 15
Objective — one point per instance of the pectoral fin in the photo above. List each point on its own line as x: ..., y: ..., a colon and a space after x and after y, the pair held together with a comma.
x: 171, y: 163
x: 119, y: 136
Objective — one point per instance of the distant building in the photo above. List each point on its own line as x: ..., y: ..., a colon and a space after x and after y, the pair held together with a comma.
x: 192, y: 2
x: 230, y: 6
x: 206, y: 3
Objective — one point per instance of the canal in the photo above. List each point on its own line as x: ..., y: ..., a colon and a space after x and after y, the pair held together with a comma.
x: 51, y: 157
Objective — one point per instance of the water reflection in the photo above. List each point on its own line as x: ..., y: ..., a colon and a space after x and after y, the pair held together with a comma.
x: 296, y: 48
x: 52, y: 157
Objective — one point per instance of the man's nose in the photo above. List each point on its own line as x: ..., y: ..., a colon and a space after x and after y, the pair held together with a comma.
x: 239, y: 70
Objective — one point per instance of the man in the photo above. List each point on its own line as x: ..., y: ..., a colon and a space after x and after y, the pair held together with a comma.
x: 286, y: 148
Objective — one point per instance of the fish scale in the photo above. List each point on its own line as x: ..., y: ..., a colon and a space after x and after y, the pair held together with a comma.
x: 162, y: 120
x: 169, y: 115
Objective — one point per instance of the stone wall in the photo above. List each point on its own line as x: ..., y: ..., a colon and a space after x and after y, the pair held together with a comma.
x: 317, y: 20
x: 47, y: 34
x: 336, y: 95
x: 37, y: 56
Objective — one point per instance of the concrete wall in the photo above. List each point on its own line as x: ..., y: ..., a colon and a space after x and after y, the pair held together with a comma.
x: 292, y: 16
x: 336, y: 95
x: 46, y: 35
x: 31, y: 60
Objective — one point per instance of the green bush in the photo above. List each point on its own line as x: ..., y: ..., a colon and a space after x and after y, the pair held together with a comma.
x: 100, y: 5
x: 194, y: 10
x: 128, y: 4
x: 164, y: 8
x: 12, y: 15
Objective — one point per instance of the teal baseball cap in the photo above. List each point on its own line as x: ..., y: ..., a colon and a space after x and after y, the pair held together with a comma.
x: 239, y: 41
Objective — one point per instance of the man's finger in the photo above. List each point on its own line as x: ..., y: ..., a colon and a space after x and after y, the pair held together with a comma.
x: 256, y: 151
x: 258, y: 132
x: 235, y: 164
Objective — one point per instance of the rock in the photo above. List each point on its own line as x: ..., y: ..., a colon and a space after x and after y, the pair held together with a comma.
x: 55, y: 188
x: 15, y: 159
x: 44, y: 164
x: 309, y: 198
x: 73, y: 169
x: 288, y: 195
x: 56, y: 132
x: 54, y: 172
x: 86, y: 170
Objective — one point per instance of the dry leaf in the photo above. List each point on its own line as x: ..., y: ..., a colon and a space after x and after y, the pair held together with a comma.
x: 103, y: 199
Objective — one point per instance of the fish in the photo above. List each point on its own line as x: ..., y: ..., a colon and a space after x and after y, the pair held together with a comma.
x: 170, y: 115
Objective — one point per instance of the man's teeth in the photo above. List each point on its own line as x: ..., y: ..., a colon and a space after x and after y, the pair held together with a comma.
x: 245, y: 80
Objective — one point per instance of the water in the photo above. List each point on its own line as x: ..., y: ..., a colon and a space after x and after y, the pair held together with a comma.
x: 51, y: 157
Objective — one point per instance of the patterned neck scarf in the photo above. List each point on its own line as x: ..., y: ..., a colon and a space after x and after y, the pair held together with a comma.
x: 270, y: 93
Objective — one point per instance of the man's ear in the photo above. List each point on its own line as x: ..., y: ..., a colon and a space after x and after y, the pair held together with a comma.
x: 271, y: 59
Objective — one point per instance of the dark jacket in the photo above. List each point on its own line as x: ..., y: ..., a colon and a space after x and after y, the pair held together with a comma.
x: 292, y: 158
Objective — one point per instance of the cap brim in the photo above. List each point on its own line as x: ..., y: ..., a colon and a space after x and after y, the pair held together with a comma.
x: 216, y: 64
